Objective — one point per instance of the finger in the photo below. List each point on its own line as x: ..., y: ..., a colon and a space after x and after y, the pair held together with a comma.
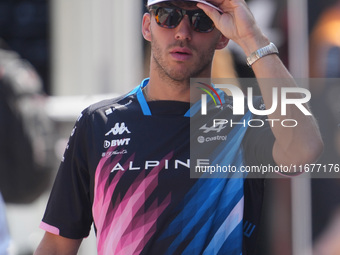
x: 213, y: 14
x: 225, y: 4
x: 215, y: 6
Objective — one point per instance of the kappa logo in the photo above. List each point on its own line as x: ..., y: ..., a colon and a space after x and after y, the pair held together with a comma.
x: 216, y: 128
x: 118, y: 129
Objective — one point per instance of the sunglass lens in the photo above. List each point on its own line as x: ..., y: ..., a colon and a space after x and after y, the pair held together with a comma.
x: 202, y: 23
x: 171, y: 17
x: 168, y: 17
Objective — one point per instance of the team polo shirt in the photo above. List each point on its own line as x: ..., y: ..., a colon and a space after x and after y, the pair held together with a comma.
x: 126, y: 170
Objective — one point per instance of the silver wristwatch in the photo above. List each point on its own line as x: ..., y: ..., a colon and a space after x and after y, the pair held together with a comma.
x: 266, y: 50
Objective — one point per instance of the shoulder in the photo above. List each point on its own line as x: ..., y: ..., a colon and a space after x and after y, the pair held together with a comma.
x: 110, y: 106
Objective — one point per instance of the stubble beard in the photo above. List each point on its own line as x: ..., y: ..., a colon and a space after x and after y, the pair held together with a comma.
x: 181, y: 75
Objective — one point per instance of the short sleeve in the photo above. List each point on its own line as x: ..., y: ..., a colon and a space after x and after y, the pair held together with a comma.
x: 68, y: 211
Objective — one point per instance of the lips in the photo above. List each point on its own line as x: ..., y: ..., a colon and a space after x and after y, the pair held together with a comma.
x: 181, y: 53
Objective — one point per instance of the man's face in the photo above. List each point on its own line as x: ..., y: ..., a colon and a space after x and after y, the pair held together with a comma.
x: 181, y: 53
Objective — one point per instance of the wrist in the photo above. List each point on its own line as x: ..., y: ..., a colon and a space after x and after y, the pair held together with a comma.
x: 252, y: 43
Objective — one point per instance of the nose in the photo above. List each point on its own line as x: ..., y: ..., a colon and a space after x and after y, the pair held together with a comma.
x: 183, y: 30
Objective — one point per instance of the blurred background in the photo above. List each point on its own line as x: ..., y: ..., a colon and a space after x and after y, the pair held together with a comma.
x: 75, y: 52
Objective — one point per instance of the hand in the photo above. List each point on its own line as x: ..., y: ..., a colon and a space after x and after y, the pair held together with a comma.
x: 236, y: 23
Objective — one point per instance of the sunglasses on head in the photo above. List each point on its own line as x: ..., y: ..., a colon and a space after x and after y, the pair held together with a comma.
x: 170, y: 17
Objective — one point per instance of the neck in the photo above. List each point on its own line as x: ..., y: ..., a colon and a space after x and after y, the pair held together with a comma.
x: 163, y: 87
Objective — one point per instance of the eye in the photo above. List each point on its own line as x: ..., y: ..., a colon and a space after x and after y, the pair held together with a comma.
x: 202, y: 22
x: 168, y: 17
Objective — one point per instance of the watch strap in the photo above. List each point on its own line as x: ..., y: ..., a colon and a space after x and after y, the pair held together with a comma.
x: 260, y: 53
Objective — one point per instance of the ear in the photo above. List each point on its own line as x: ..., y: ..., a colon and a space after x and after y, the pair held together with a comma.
x: 146, y: 30
x: 222, y: 42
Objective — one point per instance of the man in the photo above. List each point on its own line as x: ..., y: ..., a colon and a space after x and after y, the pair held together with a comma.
x: 126, y: 167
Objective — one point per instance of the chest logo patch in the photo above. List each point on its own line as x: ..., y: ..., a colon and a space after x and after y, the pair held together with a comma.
x: 118, y: 129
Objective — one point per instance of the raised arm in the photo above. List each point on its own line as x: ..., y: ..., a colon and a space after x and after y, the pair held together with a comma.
x: 294, y: 145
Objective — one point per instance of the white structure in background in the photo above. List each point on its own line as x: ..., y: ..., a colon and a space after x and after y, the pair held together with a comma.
x: 96, y: 46
x: 299, y: 67
x: 96, y: 49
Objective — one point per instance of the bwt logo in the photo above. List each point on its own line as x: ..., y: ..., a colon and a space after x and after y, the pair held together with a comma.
x: 238, y: 99
x: 117, y: 142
